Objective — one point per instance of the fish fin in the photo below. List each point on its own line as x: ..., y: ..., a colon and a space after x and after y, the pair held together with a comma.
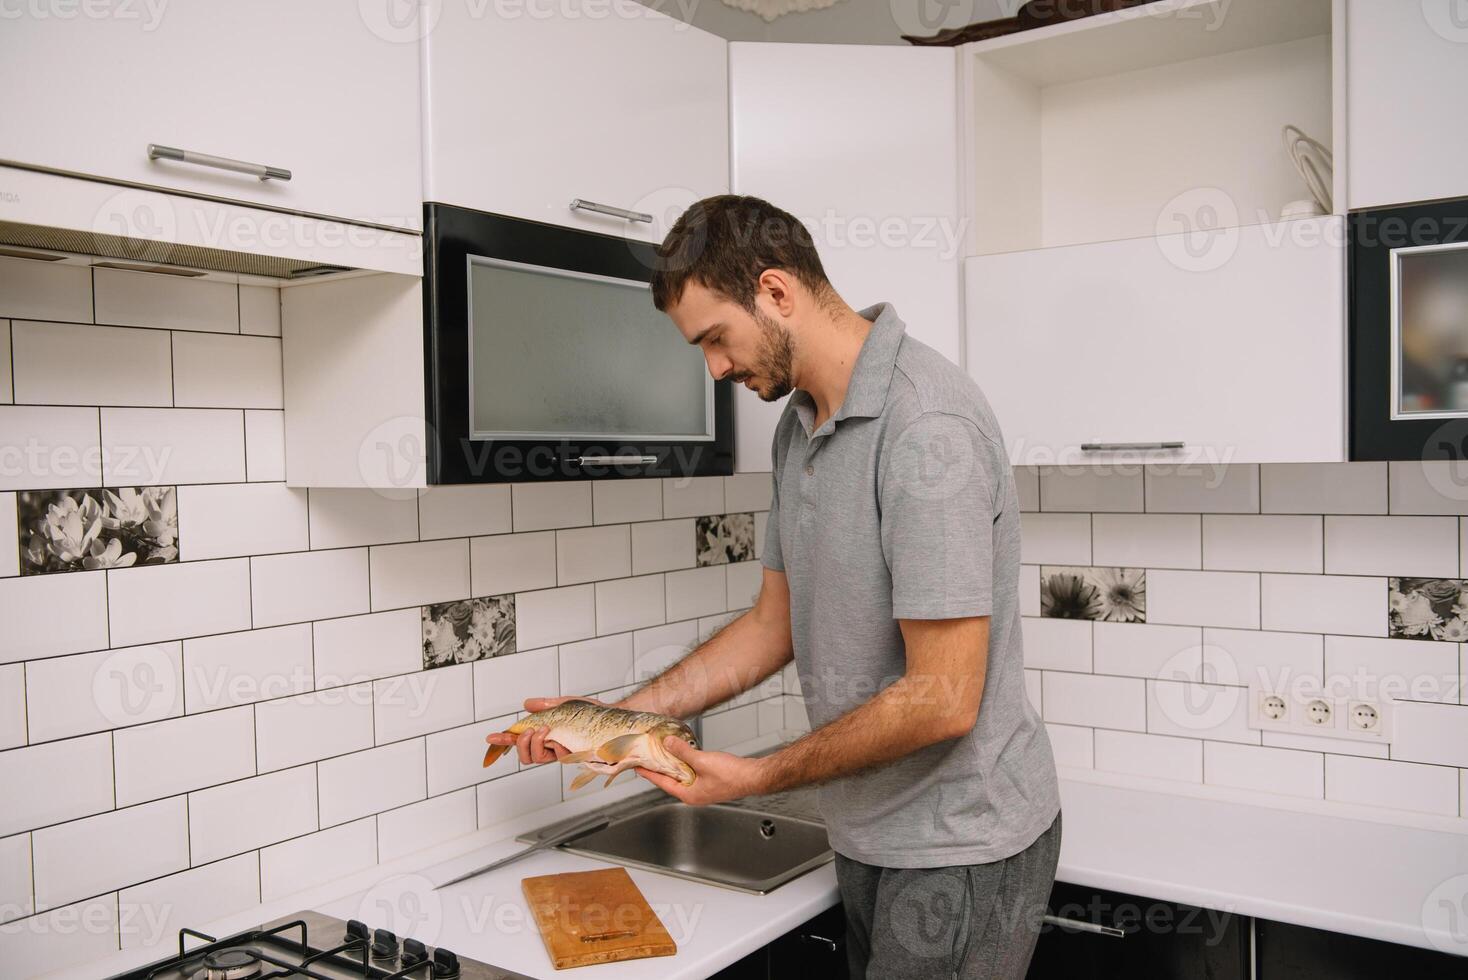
x: 612, y: 777
x: 575, y: 757
x: 616, y: 749
x: 583, y: 779
x: 491, y: 756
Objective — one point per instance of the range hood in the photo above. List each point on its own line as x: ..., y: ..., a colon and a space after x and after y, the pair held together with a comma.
x: 44, y: 212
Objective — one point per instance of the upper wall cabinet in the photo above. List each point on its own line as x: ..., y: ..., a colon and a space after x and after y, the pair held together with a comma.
x: 1407, y: 74
x: 859, y: 143
x: 616, y: 105
x: 1133, y: 291
x: 319, y: 99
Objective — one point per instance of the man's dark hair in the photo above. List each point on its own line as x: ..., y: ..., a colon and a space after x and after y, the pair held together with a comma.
x: 723, y: 243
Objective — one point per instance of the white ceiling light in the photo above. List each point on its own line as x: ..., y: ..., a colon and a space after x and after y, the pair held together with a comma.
x: 770, y: 9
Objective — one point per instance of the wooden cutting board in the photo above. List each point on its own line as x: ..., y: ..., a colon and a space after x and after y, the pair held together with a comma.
x: 588, y: 917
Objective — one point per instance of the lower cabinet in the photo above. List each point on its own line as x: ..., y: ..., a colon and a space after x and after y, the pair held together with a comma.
x: 1287, y: 952
x: 1114, y: 935
x: 815, y: 950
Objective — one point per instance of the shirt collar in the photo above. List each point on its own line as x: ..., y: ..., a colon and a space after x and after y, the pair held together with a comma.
x: 871, y: 375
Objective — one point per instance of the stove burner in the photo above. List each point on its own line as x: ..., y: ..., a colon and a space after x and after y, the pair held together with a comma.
x: 231, y: 964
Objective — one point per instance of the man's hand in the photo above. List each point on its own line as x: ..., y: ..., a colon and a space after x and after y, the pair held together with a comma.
x: 721, y: 776
x: 533, y: 746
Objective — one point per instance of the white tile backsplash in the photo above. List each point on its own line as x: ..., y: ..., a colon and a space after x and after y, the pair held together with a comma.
x: 627, y: 501
x: 1411, y: 670
x: 414, y: 704
x: 1147, y: 650
x: 299, y: 587
x: 696, y: 592
x: 1056, y: 539
x: 590, y: 554
x: 12, y: 706
x: 549, y: 616
x: 1323, y: 488
x: 455, y: 756
x: 1095, y: 701
x: 1425, y: 547
x: 1090, y: 489
x: 501, y: 684
x: 1203, y: 598
x: 597, y: 665
x: 419, y: 574
x: 1400, y: 785
x: 229, y: 520
x: 346, y: 518
x: 307, y: 727
x: 1262, y: 542
x: 363, y: 783
x: 463, y: 511
x: 106, y: 689
x: 45, y: 290
x: 248, y: 666
x: 505, y: 563
x: 1323, y: 604
x: 252, y: 813
x: 171, y: 757
x: 143, y: 299
x: 695, y: 497
x: 1429, y: 487
x: 264, y: 445
x: 164, y: 602
x: 1057, y: 644
x: 1157, y: 756
x: 99, y: 854
x: 153, y: 446
x: 1146, y: 540
x: 516, y: 795
x: 1433, y: 733
x: 744, y: 581
x: 328, y: 855
x: 543, y: 506
x: 663, y: 546
x: 629, y: 604
x: 16, y: 896
x: 1188, y: 710
x: 82, y: 364
x: 1286, y: 772
x: 49, y: 448
x: 9, y: 535
x: 86, y: 787
x: 1072, y: 746
x: 1203, y: 489
x: 364, y: 648
x: 50, y: 615
x: 163, y: 906
x: 426, y: 824
x: 226, y: 371
x: 260, y: 310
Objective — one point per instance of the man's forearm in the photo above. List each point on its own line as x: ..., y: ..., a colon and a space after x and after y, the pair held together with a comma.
x: 910, y: 713
x: 732, y: 661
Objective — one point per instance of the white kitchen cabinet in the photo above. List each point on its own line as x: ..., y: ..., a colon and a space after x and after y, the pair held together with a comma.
x: 320, y: 89
x: 1407, y: 72
x: 860, y: 144
x: 1231, y: 343
x: 616, y: 104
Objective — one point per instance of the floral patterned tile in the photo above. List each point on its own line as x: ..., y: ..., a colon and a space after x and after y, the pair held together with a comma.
x: 467, y: 630
x: 1428, y: 609
x: 83, y: 530
x: 725, y: 538
x: 1112, y: 595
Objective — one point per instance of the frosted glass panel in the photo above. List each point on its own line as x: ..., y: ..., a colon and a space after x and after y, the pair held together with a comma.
x: 561, y: 355
x: 1432, y: 330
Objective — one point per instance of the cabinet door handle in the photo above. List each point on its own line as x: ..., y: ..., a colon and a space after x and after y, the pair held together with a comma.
x: 612, y: 460
x: 829, y: 944
x: 577, y: 204
x: 1080, y: 925
x: 157, y: 152
x: 1128, y: 447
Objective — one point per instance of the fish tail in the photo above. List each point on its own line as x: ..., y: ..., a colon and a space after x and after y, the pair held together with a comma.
x: 492, y: 754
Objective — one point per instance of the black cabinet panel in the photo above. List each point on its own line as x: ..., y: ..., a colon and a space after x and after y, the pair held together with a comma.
x: 1158, y: 941
x: 1287, y: 952
x: 814, y: 951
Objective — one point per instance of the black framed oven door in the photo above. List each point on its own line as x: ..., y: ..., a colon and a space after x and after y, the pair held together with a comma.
x: 546, y: 359
x: 1409, y: 332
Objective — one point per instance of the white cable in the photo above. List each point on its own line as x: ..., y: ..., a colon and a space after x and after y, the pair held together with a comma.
x: 1309, y: 157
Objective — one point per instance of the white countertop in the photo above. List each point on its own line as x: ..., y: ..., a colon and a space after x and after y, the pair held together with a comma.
x: 1346, y: 870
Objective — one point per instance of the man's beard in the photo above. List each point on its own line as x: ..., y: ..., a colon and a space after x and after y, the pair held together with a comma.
x: 774, y: 358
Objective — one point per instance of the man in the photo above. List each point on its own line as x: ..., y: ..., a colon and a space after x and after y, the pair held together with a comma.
x: 891, y: 569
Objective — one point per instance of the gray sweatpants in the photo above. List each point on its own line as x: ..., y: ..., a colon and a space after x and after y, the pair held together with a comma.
x: 968, y: 921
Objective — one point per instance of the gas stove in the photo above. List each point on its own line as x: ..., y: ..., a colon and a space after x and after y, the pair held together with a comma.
x: 315, y: 946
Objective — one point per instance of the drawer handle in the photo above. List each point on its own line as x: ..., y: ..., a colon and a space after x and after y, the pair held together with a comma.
x: 579, y: 205
x: 612, y: 460
x: 1080, y: 925
x: 1128, y: 447
x: 157, y: 152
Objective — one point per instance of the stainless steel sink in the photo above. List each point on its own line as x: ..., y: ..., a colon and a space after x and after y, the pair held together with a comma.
x: 739, y: 847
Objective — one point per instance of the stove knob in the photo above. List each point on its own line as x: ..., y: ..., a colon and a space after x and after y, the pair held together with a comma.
x: 384, y: 945
x: 414, y: 954
x: 357, y: 933
x: 445, y: 964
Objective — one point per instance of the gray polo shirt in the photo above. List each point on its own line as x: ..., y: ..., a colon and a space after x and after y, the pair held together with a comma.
x: 903, y: 506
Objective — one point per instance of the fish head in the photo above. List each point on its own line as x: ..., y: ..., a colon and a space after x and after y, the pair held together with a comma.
x: 665, y: 761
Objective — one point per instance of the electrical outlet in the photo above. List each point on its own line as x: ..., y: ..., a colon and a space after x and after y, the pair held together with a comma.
x: 1273, y: 707
x: 1319, y: 713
